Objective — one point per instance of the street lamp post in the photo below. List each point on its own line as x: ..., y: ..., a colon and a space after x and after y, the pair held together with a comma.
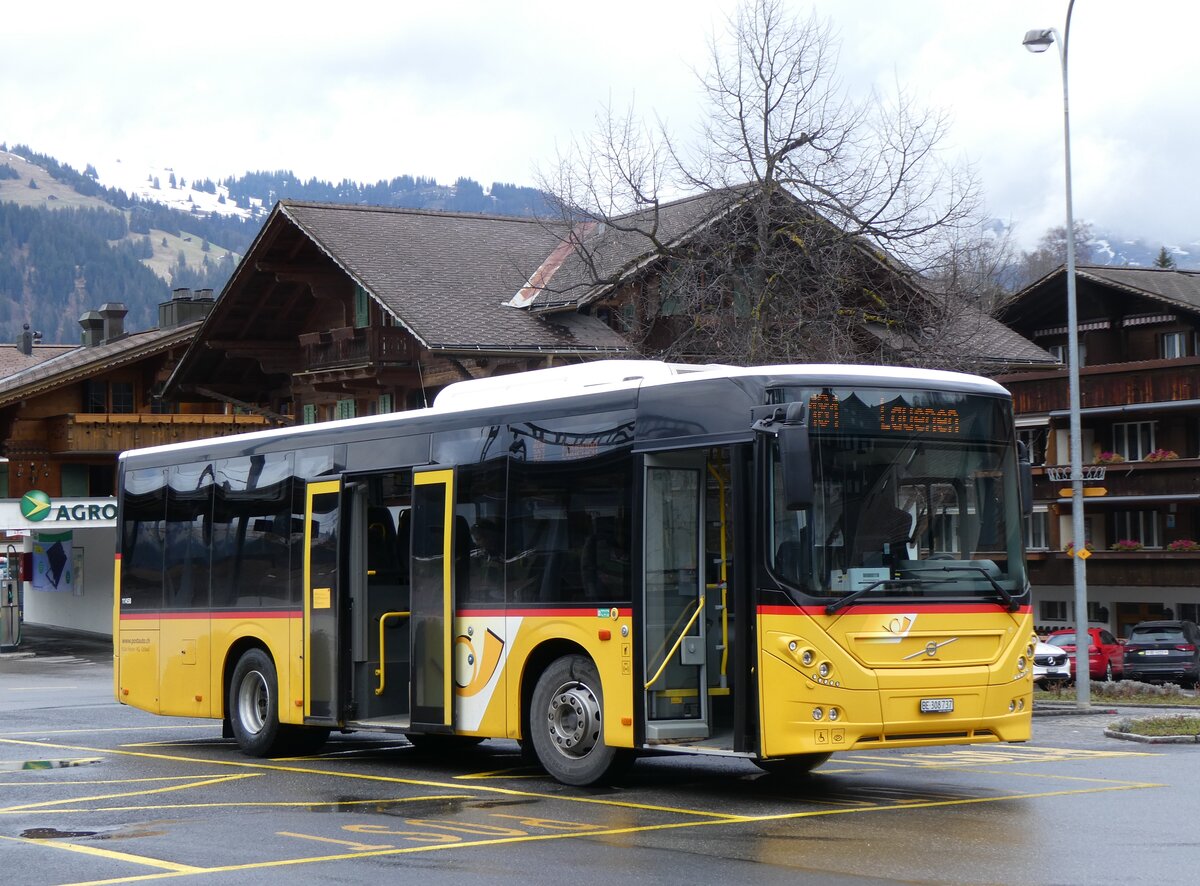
x: 1039, y: 41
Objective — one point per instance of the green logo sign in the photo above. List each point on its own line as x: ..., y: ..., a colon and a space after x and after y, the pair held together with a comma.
x: 35, y: 505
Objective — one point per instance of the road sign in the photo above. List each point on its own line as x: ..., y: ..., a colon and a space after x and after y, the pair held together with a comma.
x: 1089, y: 492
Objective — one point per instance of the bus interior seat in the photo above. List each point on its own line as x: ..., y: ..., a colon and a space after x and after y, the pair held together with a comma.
x: 383, y: 555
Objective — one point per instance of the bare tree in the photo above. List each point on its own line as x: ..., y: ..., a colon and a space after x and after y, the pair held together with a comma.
x: 812, y: 218
x: 1051, y: 252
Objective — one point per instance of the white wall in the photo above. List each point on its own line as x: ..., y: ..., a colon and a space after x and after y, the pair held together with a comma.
x: 90, y: 606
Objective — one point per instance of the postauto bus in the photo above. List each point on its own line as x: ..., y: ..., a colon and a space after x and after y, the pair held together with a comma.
x: 598, y: 561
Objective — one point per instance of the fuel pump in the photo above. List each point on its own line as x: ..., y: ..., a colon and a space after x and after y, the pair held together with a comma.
x: 10, y: 601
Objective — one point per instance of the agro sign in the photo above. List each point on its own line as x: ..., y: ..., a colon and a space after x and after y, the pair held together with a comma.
x: 37, y: 507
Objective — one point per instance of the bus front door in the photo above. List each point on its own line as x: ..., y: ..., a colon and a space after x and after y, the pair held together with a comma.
x: 322, y: 601
x: 675, y: 656
x: 431, y: 622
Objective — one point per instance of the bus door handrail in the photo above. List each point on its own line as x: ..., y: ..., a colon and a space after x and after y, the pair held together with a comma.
x: 383, y: 620
x: 723, y: 583
x: 678, y: 640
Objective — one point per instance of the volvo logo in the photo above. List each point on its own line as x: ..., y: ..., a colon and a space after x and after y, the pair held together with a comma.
x: 931, y: 649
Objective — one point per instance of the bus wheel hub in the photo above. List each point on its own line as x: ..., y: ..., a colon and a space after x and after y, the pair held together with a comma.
x: 574, y: 719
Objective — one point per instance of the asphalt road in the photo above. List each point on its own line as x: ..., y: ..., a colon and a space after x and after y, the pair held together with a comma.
x: 139, y: 798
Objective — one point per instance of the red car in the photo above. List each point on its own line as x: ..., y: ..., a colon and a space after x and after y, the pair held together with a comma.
x: 1106, y: 656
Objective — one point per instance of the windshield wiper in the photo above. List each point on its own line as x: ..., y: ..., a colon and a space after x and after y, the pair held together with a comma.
x: 882, y: 583
x: 1010, y: 602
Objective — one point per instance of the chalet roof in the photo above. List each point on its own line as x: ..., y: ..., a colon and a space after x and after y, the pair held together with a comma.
x: 611, y: 251
x: 12, y: 360
x: 1171, y: 288
x: 445, y: 276
x: 77, y: 363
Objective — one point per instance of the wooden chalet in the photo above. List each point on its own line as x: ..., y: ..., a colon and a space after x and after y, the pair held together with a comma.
x: 1139, y: 342
x: 338, y: 311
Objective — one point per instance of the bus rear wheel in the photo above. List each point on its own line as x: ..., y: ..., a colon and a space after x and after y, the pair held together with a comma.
x: 254, y: 705
x: 566, y: 724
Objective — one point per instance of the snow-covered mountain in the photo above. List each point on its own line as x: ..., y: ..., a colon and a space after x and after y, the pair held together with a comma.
x: 171, y: 187
x: 1138, y: 253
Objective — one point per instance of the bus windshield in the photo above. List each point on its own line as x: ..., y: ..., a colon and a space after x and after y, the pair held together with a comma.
x: 916, y: 494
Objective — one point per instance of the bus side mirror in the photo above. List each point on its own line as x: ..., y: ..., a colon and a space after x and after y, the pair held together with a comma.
x: 789, y: 426
x: 1026, y: 474
x: 796, y: 461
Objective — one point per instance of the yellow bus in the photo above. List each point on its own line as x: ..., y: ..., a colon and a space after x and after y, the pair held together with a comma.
x: 598, y: 561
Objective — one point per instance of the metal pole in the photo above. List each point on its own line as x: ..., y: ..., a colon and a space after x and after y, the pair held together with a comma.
x: 1082, y: 637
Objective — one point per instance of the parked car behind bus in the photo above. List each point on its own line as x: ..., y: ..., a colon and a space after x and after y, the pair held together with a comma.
x: 1163, y: 651
x: 1106, y: 659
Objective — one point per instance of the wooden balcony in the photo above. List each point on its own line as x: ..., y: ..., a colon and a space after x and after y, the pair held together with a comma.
x: 1179, y: 478
x: 1112, y: 384
x: 1125, y: 569
x: 113, y: 433
x: 351, y: 346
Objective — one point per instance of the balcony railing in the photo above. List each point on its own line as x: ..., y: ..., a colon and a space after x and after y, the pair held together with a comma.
x: 353, y: 346
x: 1178, y: 477
x: 1110, y: 384
x: 110, y: 432
x: 1125, y: 569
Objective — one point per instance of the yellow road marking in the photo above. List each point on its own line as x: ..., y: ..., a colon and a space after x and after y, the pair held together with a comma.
x: 139, y: 729
x: 281, y: 804
x: 531, y: 771
x: 607, y: 832
x: 961, y: 758
x: 349, y: 843
x: 110, y: 854
x: 218, y: 779
x: 387, y: 779
x: 69, y: 784
x: 709, y: 818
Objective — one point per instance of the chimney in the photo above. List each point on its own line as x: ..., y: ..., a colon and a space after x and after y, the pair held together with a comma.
x: 113, y: 314
x: 25, y: 341
x: 185, y: 307
x: 93, y: 329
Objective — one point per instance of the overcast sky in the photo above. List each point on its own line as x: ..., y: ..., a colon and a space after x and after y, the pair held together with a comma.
x: 489, y: 89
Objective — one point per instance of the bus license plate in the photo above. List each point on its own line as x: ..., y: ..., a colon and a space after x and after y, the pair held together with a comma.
x: 937, y: 705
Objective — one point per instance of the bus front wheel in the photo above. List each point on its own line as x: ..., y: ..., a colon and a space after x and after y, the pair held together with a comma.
x: 566, y: 724
x: 254, y: 704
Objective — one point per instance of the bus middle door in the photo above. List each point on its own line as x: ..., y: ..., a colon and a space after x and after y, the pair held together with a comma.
x: 322, y: 602
x: 673, y: 583
x: 432, y: 619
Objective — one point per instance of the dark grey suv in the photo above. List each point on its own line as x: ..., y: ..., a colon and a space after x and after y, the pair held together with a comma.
x: 1163, y: 651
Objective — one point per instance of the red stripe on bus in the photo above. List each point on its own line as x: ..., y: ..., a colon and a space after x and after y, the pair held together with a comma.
x: 889, y: 609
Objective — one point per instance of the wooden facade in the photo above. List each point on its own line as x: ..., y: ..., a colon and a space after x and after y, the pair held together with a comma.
x: 1139, y: 336
x: 64, y: 421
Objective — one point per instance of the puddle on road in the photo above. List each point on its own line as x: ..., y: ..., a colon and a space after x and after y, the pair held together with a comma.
x: 53, y: 834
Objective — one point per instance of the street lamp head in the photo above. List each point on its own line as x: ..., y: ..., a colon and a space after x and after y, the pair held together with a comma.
x: 1039, y: 39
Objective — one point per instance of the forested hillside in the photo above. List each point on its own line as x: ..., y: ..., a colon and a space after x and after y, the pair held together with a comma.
x: 69, y: 242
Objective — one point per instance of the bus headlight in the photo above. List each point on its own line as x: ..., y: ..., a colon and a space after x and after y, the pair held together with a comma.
x: 818, y: 713
x: 807, y: 657
x: 824, y: 669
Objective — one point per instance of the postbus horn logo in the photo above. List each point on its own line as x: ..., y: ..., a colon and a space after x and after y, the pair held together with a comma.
x: 35, y: 505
